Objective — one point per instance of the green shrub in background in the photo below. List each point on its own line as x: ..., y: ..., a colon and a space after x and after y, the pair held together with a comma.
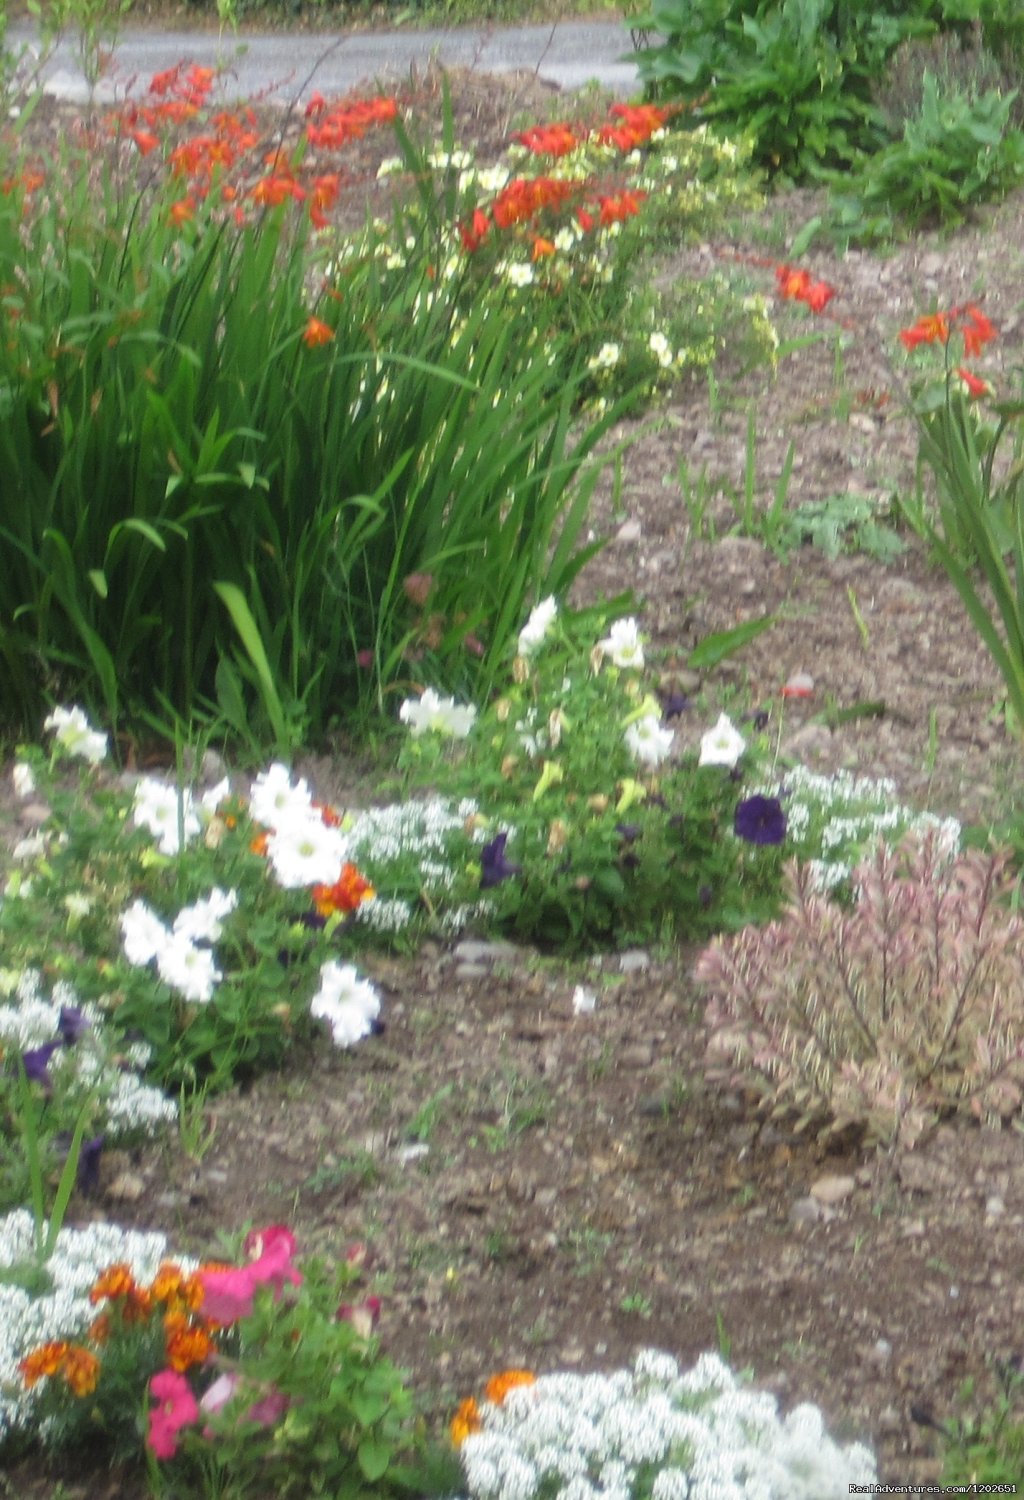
x: 801, y: 76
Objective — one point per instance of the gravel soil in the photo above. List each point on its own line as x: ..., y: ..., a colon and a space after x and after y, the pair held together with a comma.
x: 551, y: 1190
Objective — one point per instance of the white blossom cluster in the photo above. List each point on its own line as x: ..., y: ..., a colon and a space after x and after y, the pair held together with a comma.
x: 596, y: 1437
x: 64, y: 1312
x: 29, y: 1019
x: 833, y: 820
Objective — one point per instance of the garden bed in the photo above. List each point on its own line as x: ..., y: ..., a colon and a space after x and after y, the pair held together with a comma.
x: 551, y: 1190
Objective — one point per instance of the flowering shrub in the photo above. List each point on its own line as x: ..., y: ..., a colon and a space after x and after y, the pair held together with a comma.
x: 262, y: 1375
x: 650, y: 1433
x: 887, y: 1017
x: 598, y: 825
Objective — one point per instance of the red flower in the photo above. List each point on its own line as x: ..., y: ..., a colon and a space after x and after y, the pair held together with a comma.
x: 474, y: 233
x: 548, y: 140
x: 622, y: 206
x: 931, y: 329
x: 976, y: 387
x: 976, y: 329
x: 818, y: 295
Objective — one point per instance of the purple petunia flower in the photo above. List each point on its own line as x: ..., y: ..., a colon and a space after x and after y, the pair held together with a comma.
x: 35, y: 1063
x: 628, y: 832
x: 760, y: 820
x: 88, y: 1176
x: 674, y: 703
x: 494, y: 867
x: 72, y: 1024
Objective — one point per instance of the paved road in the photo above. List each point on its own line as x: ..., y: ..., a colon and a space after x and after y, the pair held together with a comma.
x: 567, y: 55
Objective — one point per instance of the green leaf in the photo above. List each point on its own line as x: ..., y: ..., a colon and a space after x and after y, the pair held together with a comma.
x: 98, y: 580
x: 374, y: 1457
x: 721, y: 644
x: 368, y: 1408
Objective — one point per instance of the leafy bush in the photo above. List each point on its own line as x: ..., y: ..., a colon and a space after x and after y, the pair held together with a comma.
x: 885, y: 1017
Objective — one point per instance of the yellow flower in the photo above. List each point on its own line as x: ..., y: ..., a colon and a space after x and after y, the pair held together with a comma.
x: 629, y: 792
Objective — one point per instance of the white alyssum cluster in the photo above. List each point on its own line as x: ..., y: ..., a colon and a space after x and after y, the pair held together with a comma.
x: 832, y: 821
x: 29, y: 1019
x: 64, y: 1312
x: 595, y: 1437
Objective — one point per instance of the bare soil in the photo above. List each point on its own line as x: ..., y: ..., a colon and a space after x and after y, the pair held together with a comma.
x: 554, y: 1191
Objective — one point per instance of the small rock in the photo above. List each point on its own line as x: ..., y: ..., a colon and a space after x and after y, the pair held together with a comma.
x: 476, y: 951
x: 806, y: 1211
x: 832, y: 1189
x: 639, y: 1055
x: 572, y: 1354
x: 471, y: 971
x: 634, y: 961
x: 994, y: 1207
x: 881, y: 1352
x: 629, y: 531
x: 127, y: 1188
x: 215, y: 1174
x: 413, y: 1151
x: 583, y: 1001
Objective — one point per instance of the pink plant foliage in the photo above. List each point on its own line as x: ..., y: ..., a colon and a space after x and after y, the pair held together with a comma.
x: 888, y: 1016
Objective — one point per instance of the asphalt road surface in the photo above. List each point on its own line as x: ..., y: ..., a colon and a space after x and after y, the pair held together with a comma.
x: 566, y: 54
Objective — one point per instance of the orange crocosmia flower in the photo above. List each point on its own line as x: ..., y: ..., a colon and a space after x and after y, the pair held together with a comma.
x: 542, y: 247
x: 273, y: 190
x: 498, y: 1387
x: 791, y: 283
x: 317, y: 333
x: 474, y: 233
x: 182, y: 212
x: 81, y: 1370
x: 465, y: 1421
x: 349, y: 891
x: 621, y: 206
x: 585, y: 220
x: 323, y: 196
x: 43, y: 1362
x: 931, y: 329
x: 818, y: 295
x: 548, y: 140
x: 316, y: 106
x: 976, y: 387
x: 145, y: 140
x: 161, y: 83
x: 977, y: 330
x: 116, y: 1281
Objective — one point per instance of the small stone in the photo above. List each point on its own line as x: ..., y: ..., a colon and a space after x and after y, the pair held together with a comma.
x: 634, y: 961
x: 629, y: 531
x: 994, y: 1207
x: 832, y: 1189
x: 128, y: 1187
x: 215, y: 1174
x: 414, y: 1151
x: 471, y: 971
x: 572, y: 1354
x: 476, y: 951
x: 881, y: 1352
x: 639, y: 1055
x: 806, y: 1211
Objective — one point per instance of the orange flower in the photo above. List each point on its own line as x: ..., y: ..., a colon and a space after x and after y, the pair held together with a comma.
x: 465, y: 1421
x: 116, y: 1281
x: 818, y: 295
x: 349, y: 891
x: 548, y: 140
x: 145, y: 140
x: 43, y: 1362
x: 541, y: 247
x: 932, y: 329
x: 498, y: 1387
x: 186, y: 1344
x: 99, y: 1328
x: 975, y: 385
x: 260, y: 842
x: 323, y: 197
x: 182, y: 211
x: 317, y: 333
x: 621, y: 206
x: 474, y: 234
x: 81, y: 1370
x: 976, y: 329
x: 168, y: 1284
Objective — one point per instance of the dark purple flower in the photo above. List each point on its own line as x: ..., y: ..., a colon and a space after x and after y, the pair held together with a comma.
x: 760, y: 820
x: 72, y: 1024
x: 674, y: 703
x: 35, y: 1063
x: 759, y: 720
x: 494, y: 867
x: 628, y: 832
x: 705, y: 896
x: 88, y: 1176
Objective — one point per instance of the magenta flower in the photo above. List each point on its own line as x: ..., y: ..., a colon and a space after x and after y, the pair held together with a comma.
x: 228, y: 1295
x: 177, y: 1409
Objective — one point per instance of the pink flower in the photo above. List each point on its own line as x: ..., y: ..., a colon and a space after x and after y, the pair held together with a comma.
x: 363, y: 1316
x: 177, y: 1409
x: 228, y: 1295
x: 269, y: 1409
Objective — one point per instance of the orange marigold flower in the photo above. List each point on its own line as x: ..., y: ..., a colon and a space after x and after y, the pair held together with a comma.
x: 498, y: 1387
x: 259, y: 843
x: 100, y: 1328
x: 317, y: 333
x: 116, y: 1281
x: 465, y: 1421
x: 137, y: 1306
x: 348, y: 891
x: 168, y: 1284
x: 42, y: 1362
x: 81, y: 1370
x: 931, y: 329
x: 186, y: 1345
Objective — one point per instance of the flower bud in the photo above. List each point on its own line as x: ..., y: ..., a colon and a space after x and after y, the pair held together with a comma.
x: 558, y: 834
x: 508, y: 766
x: 502, y: 709
x: 555, y: 725
x: 596, y: 659
x: 520, y: 670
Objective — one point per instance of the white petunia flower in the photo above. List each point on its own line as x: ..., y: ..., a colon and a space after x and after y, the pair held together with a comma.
x: 306, y: 852
x: 212, y: 799
x: 648, y: 742
x: 723, y: 745
x: 439, y: 715
x: 187, y: 969
x: 623, y: 644
x: 275, y: 801
x: 24, y: 780
x: 76, y: 735
x: 143, y: 933
x: 166, y: 812
x: 202, y: 921
x: 537, y: 626
x: 348, y: 1004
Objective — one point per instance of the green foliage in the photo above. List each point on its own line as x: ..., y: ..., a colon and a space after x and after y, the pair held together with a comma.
x: 884, y: 1017
x: 603, y: 846
x: 208, y: 517
x: 986, y: 1447
x: 802, y: 75
x: 842, y: 524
